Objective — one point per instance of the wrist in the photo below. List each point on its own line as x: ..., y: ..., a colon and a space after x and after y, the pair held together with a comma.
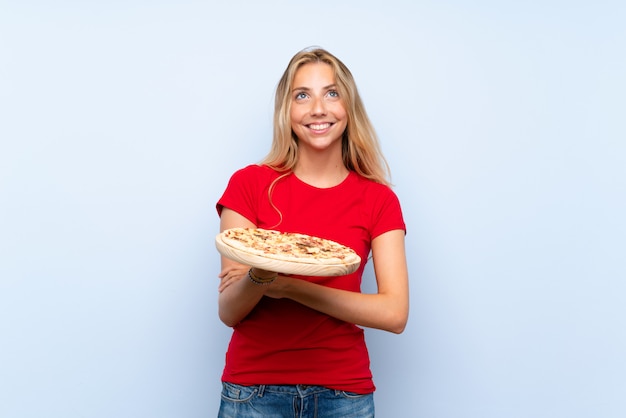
x: 261, y: 279
x: 262, y: 274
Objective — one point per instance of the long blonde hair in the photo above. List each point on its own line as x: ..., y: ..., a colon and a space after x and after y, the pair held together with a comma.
x: 361, y: 150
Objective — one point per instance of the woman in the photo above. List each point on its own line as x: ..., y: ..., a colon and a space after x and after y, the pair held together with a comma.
x: 297, y: 348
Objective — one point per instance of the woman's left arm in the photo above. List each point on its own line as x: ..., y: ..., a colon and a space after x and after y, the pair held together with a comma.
x: 388, y: 309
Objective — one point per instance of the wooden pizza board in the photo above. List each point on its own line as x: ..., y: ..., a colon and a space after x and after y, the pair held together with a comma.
x: 285, y: 267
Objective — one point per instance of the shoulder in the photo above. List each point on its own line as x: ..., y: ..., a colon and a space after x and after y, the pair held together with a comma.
x: 255, y: 172
x: 372, y: 188
x: 244, y: 189
x: 382, y: 207
x: 250, y: 180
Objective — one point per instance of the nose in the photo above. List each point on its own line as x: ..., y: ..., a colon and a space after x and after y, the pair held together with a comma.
x: 318, y: 107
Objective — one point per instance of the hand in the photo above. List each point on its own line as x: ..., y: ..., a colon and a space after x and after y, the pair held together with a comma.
x: 231, y: 275
x: 278, y: 288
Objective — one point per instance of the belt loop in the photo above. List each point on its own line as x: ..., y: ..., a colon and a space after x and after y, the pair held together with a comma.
x: 261, y: 391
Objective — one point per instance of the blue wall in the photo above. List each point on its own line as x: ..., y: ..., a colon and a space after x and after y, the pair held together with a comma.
x: 120, y: 123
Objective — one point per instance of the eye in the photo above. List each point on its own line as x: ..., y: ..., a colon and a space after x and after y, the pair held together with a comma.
x: 300, y: 96
x: 333, y: 93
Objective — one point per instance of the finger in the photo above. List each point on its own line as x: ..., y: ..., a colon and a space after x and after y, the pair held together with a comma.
x: 223, y: 285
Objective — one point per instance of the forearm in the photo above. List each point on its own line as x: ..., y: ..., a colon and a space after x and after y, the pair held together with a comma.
x: 238, y: 297
x: 383, y: 311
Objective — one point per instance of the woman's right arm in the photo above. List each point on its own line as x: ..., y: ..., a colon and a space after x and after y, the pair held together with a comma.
x: 237, y: 297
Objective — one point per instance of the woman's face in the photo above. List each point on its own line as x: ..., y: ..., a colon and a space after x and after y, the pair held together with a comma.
x: 318, y: 115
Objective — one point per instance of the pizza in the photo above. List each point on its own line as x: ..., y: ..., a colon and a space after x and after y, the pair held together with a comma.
x: 285, y: 251
x: 289, y: 246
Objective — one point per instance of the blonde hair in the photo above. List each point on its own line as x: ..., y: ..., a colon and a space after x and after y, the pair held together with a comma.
x: 361, y: 150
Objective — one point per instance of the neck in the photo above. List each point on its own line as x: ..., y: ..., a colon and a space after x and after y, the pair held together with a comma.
x: 320, y: 170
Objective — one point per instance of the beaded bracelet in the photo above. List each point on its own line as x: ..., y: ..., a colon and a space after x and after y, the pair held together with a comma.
x: 257, y: 280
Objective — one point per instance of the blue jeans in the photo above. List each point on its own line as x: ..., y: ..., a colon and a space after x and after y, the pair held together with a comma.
x: 299, y: 401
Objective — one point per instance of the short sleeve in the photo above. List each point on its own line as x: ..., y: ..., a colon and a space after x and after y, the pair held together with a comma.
x: 386, y: 212
x: 241, y: 194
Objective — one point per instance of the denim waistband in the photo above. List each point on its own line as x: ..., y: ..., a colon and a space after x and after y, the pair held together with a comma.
x: 301, y: 390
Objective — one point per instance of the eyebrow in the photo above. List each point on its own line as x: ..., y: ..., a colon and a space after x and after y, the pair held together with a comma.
x: 331, y: 86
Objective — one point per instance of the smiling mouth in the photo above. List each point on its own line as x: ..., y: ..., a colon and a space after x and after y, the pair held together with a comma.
x: 319, y: 126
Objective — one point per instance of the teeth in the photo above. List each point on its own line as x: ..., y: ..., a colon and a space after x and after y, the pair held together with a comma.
x: 319, y: 127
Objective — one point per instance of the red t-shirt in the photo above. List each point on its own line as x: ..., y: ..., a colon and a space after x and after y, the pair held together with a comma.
x: 282, y: 341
